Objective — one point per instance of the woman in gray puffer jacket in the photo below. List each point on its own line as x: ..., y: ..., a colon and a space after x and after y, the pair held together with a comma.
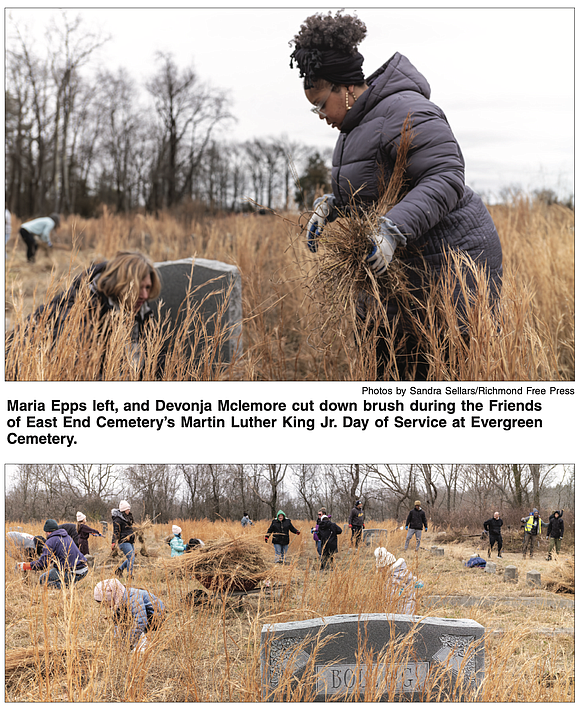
x: 438, y: 213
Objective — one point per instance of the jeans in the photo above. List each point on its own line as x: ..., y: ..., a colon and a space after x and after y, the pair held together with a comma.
x: 129, y: 551
x: 54, y: 577
x: 319, y: 547
x: 280, y: 551
x: 417, y: 533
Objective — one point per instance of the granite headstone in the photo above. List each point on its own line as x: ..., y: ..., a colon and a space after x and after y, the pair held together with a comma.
x: 340, y: 656
x: 214, y: 290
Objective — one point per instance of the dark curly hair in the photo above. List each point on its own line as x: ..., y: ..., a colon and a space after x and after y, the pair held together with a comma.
x: 341, y: 32
x: 326, y: 48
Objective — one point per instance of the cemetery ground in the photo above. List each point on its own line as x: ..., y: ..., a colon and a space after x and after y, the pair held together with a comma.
x: 60, y: 644
x: 291, y: 329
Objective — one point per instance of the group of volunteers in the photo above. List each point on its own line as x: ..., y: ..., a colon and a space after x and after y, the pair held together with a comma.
x: 62, y: 557
x: 532, y: 525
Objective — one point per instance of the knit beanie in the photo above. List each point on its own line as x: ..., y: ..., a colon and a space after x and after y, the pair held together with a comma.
x: 81, y: 517
x: 175, y: 529
x: 124, y: 506
x: 51, y: 525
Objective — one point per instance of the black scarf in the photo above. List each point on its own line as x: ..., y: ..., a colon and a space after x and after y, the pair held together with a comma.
x: 331, y: 65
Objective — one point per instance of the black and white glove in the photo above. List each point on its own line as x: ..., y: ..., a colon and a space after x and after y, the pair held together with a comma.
x: 323, y: 211
x: 384, y: 242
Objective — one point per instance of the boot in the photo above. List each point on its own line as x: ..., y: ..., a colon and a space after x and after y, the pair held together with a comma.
x: 499, y: 556
x: 489, y: 552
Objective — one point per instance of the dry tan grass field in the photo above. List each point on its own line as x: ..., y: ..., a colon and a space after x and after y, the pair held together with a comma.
x: 290, y: 331
x: 60, y: 645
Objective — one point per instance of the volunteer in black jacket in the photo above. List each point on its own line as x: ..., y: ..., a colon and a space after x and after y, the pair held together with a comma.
x: 493, y: 527
x: 328, y: 532
x: 280, y: 530
x: 416, y: 520
x: 555, y: 533
x: 356, y: 522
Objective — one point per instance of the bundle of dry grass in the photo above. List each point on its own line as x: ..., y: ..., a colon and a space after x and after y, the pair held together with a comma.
x: 561, y: 576
x: 343, y: 276
x: 226, y: 564
x: 43, y: 658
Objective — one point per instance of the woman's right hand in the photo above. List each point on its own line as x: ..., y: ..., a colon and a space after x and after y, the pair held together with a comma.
x: 322, y: 207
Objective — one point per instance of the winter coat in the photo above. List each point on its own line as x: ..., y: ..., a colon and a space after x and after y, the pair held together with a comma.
x: 59, y: 549
x: 356, y: 517
x: 416, y: 519
x: 401, y: 588
x: 122, y: 527
x: 100, y: 308
x: 328, y: 532
x: 533, y: 525
x: 439, y: 212
x: 246, y: 521
x: 555, y: 528
x: 72, y: 531
x: 84, y: 531
x: 178, y: 546
x: 280, y: 531
x: 493, y: 526
x: 138, y: 612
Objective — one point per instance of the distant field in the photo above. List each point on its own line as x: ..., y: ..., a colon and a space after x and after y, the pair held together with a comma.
x: 210, y: 653
x: 289, y: 334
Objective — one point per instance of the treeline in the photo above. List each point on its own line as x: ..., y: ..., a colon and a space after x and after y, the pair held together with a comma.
x: 78, y: 136
x: 456, y: 495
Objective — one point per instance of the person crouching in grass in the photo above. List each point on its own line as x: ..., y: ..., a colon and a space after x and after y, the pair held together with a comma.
x: 136, y: 612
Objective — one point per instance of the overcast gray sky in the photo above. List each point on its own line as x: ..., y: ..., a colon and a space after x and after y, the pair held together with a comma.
x: 504, y: 77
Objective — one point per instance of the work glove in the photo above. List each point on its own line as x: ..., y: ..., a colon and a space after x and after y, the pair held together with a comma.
x: 350, y: 525
x: 419, y: 584
x: 363, y: 526
x: 266, y: 539
x: 112, y: 546
x: 24, y: 566
x: 407, y: 527
x: 297, y: 532
x: 323, y: 208
x: 425, y: 528
x: 383, y: 244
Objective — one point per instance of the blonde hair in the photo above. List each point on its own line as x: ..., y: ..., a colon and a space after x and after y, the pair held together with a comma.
x: 124, y: 272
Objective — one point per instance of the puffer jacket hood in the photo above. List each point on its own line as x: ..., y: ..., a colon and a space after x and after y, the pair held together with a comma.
x: 280, y: 512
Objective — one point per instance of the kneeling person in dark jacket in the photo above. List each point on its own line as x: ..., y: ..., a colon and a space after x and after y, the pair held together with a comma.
x: 68, y: 564
x: 328, y: 532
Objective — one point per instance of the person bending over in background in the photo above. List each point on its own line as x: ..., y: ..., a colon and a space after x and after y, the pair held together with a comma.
x: 84, y: 531
x: 67, y: 564
x: 38, y: 229
x: 136, y: 611
x: 124, y: 536
x: 280, y: 529
x: 438, y: 213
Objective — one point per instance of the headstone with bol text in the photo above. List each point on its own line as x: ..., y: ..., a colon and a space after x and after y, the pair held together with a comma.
x: 338, y: 657
x: 214, y: 290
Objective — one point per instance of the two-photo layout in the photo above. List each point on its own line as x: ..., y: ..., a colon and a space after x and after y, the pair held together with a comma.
x: 317, y: 235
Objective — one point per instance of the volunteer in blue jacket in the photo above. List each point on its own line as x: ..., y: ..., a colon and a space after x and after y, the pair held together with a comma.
x: 60, y: 553
x: 178, y: 546
x: 438, y: 213
x: 35, y: 229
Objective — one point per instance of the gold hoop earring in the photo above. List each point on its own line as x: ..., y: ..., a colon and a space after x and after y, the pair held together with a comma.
x: 346, y: 99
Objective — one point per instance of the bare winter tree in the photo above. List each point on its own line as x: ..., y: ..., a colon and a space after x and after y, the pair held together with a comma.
x: 269, y: 478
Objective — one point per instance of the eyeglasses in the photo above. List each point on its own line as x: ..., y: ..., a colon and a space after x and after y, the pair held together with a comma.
x: 318, y: 110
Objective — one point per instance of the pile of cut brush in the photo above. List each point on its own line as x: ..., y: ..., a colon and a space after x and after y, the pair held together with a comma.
x: 225, y: 565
